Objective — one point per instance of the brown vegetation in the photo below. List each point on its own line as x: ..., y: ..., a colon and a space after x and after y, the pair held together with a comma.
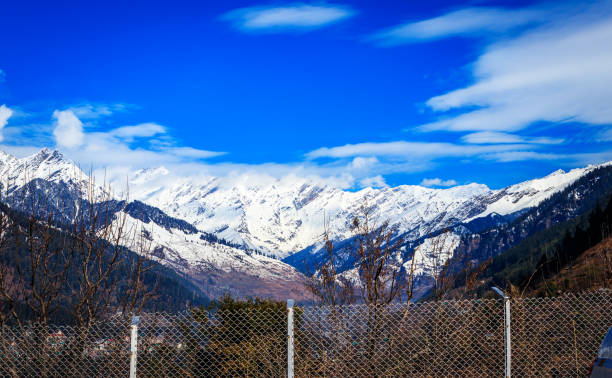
x: 79, y: 272
x: 591, y: 270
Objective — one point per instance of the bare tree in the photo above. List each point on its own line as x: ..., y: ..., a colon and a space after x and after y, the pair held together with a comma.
x: 78, y: 270
x: 37, y: 258
x: 108, y: 278
x: 326, y: 284
x: 436, y: 254
x: 376, y: 249
x: 84, y: 267
x: 471, y: 279
x: 376, y: 278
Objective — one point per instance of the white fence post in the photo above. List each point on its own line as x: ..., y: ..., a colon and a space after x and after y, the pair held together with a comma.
x: 134, y: 346
x: 507, y: 331
x: 290, y: 303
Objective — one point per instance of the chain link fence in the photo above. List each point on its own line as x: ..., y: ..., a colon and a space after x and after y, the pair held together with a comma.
x: 460, y: 338
x: 244, y: 342
x: 550, y: 337
x: 558, y: 337
x: 37, y: 350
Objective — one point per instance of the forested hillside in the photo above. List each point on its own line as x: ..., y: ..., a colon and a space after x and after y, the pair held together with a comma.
x: 568, y: 256
x: 44, y: 273
x: 591, y: 190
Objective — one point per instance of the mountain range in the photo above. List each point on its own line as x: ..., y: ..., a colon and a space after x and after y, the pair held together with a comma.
x: 256, y: 236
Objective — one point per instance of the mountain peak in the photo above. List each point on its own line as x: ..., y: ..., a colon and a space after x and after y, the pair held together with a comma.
x: 5, y: 156
x: 49, y: 161
x: 556, y: 173
x: 144, y: 175
x: 469, y: 190
x: 45, y: 154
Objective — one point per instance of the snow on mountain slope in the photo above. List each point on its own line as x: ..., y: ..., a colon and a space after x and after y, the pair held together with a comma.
x: 530, y: 193
x: 185, y: 251
x: 47, y: 165
x: 429, y: 258
x: 282, y: 216
x: 431, y: 255
x: 192, y: 254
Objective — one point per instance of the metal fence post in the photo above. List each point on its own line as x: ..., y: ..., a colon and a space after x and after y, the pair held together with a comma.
x: 290, y: 303
x: 134, y: 346
x: 507, y: 330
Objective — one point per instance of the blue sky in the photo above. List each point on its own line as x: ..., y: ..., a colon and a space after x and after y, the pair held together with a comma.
x: 365, y: 93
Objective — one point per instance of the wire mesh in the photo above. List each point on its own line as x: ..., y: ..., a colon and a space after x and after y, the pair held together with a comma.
x: 550, y: 337
x: 558, y: 337
x: 460, y: 338
x: 37, y: 350
x: 238, y: 343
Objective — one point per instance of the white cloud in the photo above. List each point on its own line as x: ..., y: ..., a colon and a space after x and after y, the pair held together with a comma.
x: 5, y: 114
x: 20, y: 151
x: 68, y: 130
x: 94, y: 111
x: 373, y: 182
x: 410, y: 150
x: 111, y: 152
x: 493, y: 137
x: 555, y: 73
x: 464, y: 22
x: 365, y: 159
x: 294, y: 16
x: 509, y: 156
x: 148, y: 129
x: 360, y: 163
x: 105, y: 149
x: 438, y: 182
x: 604, y: 135
x: 194, y: 153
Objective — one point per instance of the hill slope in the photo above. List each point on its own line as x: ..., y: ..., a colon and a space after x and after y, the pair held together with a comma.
x: 559, y: 252
x: 210, y: 263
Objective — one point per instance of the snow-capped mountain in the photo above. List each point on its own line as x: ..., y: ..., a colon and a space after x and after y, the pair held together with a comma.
x: 530, y: 193
x: 212, y: 264
x: 218, y: 230
x: 46, y: 165
x: 283, y: 216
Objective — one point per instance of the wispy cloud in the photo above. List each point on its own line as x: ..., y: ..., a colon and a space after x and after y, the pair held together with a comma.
x: 148, y: 129
x: 493, y: 137
x: 481, y: 21
x: 411, y: 157
x: 5, y: 114
x: 193, y: 153
x: 438, y: 182
x: 116, y: 153
x: 604, y: 135
x: 555, y: 73
x: 509, y: 156
x: 410, y: 150
x: 294, y: 16
x: 94, y: 111
x: 2, y: 76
